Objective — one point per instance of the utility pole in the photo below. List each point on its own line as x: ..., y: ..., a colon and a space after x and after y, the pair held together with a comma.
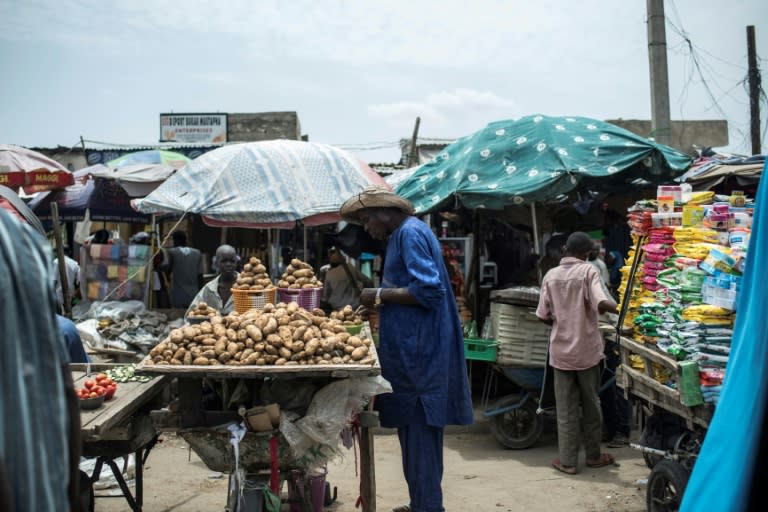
x: 661, y: 127
x: 413, y: 157
x: 754, y: 91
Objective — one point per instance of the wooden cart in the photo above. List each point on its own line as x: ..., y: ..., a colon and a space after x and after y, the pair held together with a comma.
x: 194, y: 423
x: 120, y: 427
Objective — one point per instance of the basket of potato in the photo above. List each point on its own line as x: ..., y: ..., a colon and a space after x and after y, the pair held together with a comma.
x: 253, y: 288
x: 277, y: 335
x: 300, y: 284
x: 200, y: 313
x: 351, y: 321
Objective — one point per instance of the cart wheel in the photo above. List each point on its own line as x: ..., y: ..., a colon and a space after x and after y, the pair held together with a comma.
x: 646, y: 438
x: 518, y: 428
x: 666, y: 486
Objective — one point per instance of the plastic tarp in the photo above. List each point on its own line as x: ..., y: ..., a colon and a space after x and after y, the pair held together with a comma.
x: 537, y: 158
x: 264, y: 184
x: 727, y: 464
x: 137, y: 180
x: 706, y: 173
x: 104, y: 198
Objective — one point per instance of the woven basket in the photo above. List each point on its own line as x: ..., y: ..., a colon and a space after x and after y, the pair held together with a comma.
x: 307, y: 298
x: 252, y: 299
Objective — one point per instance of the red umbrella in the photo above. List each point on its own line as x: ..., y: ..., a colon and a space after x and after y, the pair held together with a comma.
x: 31, y: 171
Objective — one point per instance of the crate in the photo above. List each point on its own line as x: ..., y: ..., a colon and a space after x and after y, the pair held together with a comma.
x: 523, y: 339
x: 245, y: 300
x: 478, y: 349
x: 307, y: 298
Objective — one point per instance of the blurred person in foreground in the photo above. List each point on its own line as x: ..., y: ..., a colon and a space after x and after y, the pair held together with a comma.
x: 421, y: 348
x: 185, y: 265
x: 39, y: 413
x: 217, y: 294
x: 572, y: 297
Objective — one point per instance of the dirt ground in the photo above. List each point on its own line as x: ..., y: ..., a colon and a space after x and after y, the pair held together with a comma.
x: 479, y: 475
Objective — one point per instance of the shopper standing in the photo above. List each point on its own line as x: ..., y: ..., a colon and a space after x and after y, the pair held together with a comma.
x: 421, y: 346
x: 572, y: 297
x: 186, y: 267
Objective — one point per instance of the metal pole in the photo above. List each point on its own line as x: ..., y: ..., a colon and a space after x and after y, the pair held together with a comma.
x: 661, y: 128
x: 306, y: 256
x: 536, y: 247
x: 65, y: 294
x: 150, y: 274
x: 754, y: 91
x: 413, y: 157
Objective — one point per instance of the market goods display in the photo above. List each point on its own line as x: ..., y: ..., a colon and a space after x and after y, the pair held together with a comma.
x: 299, y: 275
x: 100, y: 386
x: 277, y: 335
x: 347, y: 315
x: 254, y: 276
x: 126, y: 373
x: 202, y: 310
x: 687, y: 283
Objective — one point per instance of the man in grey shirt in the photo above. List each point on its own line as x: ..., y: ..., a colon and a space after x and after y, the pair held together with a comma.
x: 186, y: 267
x: 342, y: 283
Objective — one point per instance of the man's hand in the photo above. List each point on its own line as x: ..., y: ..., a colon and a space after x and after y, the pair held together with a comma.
x: 368, y: 297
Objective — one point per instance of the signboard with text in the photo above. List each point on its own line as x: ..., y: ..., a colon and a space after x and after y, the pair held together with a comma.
x: 195, y: 128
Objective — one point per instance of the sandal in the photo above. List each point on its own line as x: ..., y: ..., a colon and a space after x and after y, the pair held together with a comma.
x: 568, y: 470
x: 606, y: 459
x: 402, y: 508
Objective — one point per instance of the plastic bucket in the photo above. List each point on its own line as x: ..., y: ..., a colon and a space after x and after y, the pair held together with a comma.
x: 298, y: 487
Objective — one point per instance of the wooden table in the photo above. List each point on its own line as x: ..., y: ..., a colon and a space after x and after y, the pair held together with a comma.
x: 192, y: 415
x: 119, y: 427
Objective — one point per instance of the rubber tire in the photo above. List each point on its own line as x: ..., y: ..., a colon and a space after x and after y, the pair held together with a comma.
x: 650, y: 459
x: 519, y: 428
x: 666, y: 486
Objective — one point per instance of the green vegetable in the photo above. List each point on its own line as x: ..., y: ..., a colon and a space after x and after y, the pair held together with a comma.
x: 126, y: 373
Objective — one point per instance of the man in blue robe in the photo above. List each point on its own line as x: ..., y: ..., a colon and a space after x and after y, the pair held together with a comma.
x: 421, y: 347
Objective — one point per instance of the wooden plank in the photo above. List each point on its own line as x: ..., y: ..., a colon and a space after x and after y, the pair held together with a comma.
x: 368, y: 470
x: 651, y: 353
x: 643, y: 386
x: 129, y: 397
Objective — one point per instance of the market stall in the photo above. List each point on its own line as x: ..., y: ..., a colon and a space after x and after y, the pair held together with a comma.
x: 116, y: 428
x: 680, y: 301
x: 288, y: 384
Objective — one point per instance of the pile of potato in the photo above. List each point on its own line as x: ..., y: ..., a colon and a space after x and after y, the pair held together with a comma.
x: 282, y: 334
x: 347, y: 316
x: 254, y: 276
x: 299, y: 275
x: 203, y: 310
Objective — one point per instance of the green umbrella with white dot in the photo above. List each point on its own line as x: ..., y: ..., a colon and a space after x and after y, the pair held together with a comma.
x: 536, y: 159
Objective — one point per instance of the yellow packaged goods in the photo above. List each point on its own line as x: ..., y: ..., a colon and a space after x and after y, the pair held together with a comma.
x: 693, y: 215
x: 737, y: 198
x: 701, y: 198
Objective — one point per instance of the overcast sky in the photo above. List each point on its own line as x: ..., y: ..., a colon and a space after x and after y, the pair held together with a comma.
x: 359, y: 72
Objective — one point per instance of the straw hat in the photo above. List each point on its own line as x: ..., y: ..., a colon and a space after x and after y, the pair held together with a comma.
x: 373, y: 197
